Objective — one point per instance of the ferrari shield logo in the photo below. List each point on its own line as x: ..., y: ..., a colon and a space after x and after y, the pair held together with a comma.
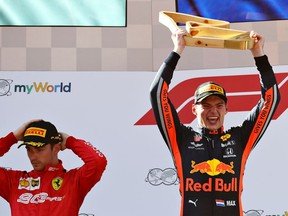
x: 57, y: 183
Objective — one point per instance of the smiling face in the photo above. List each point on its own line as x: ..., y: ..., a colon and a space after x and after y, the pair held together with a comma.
x: 42, y: 156
x: 210, y: 112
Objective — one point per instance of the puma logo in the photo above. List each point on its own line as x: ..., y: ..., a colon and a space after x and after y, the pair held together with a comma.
x: 193, y: 202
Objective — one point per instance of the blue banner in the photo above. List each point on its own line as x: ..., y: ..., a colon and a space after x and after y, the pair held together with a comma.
x: 235, y: 10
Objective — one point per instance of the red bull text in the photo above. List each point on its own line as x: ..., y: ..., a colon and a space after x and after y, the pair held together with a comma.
x: 212, y: 167
x: 219, y: 185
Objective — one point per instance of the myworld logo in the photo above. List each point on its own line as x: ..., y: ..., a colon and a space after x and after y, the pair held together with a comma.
x: 243, y: 92
x: 43, y: 87
x: 7, y: 89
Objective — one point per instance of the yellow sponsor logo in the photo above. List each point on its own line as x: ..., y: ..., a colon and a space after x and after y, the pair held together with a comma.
x: 225, y: 137
x: 34, y: 131
x: 24, y: 183
x: 212, y: 167
x: 57, y: 183
x: 211, y: 87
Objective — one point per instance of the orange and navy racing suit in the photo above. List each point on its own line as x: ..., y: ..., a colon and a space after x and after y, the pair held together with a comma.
x: 53, y: 191
x: 210, y: 164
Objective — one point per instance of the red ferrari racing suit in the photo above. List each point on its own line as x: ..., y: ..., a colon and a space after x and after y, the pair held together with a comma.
x: 54, y: 191
x: 210, y: 164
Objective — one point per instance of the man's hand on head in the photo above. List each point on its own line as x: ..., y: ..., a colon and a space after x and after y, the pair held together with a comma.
x: 64, y: 137
x: 19, y: 132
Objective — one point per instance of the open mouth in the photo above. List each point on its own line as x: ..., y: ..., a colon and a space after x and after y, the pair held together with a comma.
x: 212, y: 119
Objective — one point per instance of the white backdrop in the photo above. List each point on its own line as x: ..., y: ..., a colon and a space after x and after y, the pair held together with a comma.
x: 103, y: 108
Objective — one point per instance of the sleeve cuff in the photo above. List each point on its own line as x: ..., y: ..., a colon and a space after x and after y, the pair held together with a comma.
x: 69, y: 142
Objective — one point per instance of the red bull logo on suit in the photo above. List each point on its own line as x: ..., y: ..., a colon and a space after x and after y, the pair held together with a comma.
x: 212, y: 167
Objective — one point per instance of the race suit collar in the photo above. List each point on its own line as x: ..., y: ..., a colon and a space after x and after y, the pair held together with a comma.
x: 50, y: 168
x: 59, y: 166
x: 212, y: 132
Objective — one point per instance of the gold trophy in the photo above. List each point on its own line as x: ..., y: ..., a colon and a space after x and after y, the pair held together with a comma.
x: 205, y: 32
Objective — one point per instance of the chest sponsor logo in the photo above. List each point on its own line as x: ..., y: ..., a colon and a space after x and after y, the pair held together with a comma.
x: 212, y: 167
x: 229, y: 152
x: 196, y: 146
x: 57, y: 183
x: 195, y: 143
x: 227, y: 144
x: 27, y: 198
x: 197, y: 138
x: 219, y: 185
x: 225, y: 137
x: 29, y: 183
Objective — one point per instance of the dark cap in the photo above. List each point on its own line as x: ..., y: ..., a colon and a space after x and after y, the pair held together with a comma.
x: 40, y: 133
x: 207, y: 89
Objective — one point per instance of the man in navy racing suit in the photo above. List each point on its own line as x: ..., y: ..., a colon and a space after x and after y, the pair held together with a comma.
x: 210, y: 162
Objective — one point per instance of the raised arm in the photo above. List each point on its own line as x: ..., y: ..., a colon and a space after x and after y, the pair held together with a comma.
x: 260, y: 117
x: 94, y: 161
x: 165, y: 114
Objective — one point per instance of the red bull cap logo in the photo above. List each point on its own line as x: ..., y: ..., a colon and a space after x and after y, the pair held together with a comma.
x: 212, y: 167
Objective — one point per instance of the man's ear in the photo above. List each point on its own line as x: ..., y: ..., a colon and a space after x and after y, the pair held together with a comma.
x: 57, y: 148
x: 194, y: 109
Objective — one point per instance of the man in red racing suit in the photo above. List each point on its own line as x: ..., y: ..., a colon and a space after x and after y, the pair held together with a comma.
x: 210, y: 162
x: 51, y: 190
